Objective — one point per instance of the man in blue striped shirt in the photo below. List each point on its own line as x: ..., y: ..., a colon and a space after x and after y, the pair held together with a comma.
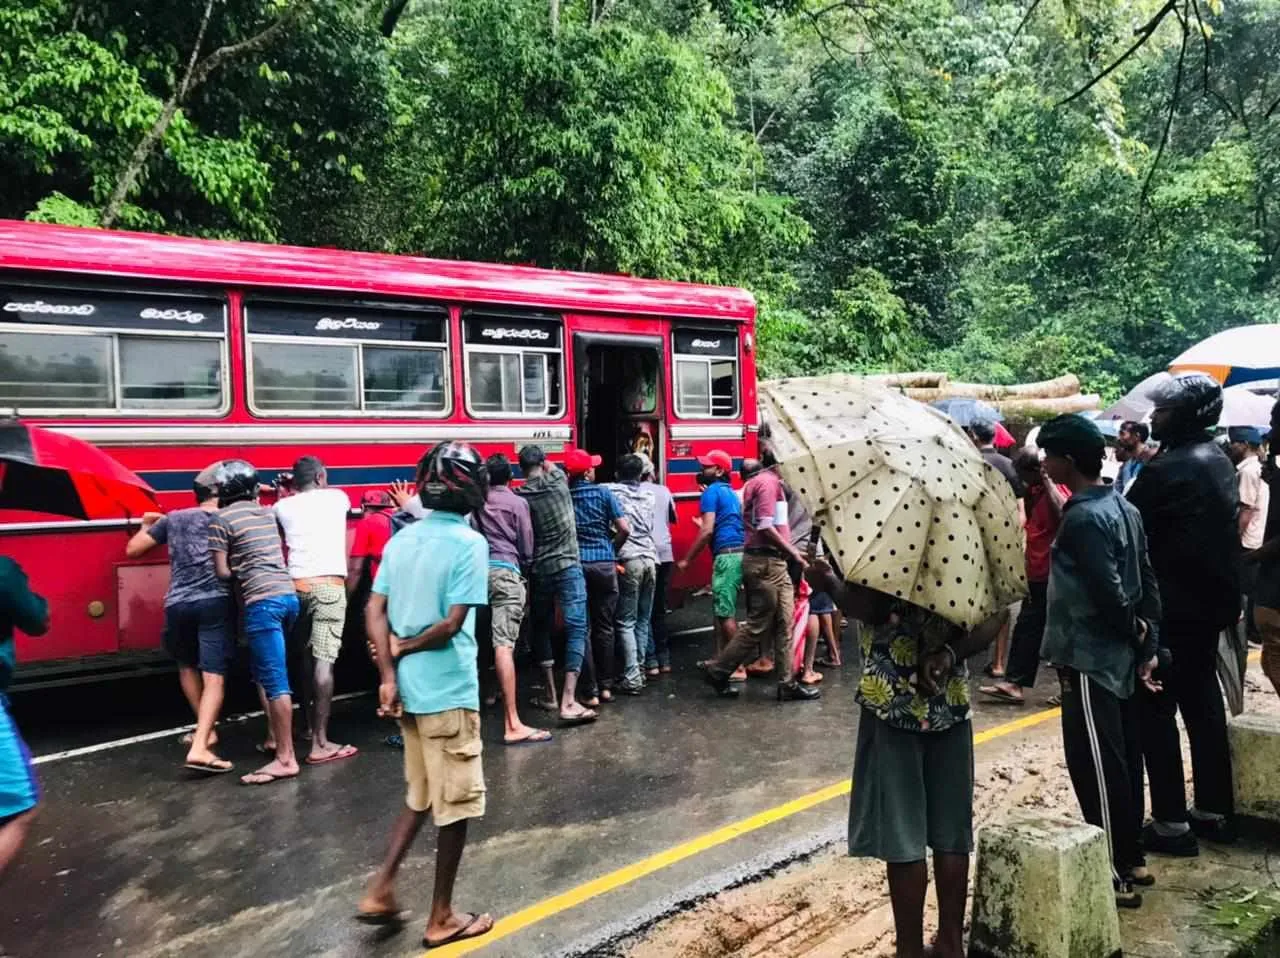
x: 602, y: 529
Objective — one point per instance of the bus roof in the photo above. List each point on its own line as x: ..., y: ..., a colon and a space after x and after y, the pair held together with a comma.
x: 70, y: 249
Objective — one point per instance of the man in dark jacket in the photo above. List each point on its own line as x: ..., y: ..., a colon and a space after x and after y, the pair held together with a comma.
x: 1188, y: 500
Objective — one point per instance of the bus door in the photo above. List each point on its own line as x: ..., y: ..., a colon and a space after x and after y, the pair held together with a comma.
x: 619, y: 390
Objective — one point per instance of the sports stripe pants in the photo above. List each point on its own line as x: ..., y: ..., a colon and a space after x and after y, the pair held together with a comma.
x: 1104, y: 758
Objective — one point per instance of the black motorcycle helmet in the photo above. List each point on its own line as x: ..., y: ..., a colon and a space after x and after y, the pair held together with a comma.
x: 453, y: 477
x: 1185, y: 405
x: 237, y: 482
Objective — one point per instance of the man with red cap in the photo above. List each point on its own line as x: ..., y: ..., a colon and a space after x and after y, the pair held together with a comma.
x: 372, y: 532
x: 602, y: 529
x: 721, y: 526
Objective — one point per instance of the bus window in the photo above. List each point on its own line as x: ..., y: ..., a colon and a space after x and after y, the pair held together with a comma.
x: 65, y: 349
x: 348, y: 357
x: 706, y: 380
x: 514, y: 365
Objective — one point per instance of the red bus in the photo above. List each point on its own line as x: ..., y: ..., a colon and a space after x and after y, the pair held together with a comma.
x: 172, y: 353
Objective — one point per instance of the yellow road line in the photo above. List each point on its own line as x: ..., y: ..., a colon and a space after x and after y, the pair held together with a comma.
x: 647, y: 866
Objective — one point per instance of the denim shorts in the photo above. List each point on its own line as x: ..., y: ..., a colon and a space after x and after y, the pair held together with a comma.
x: 820, y: 604
x: 266, y: 623
x: 19, y: 791
x: 199, y: 635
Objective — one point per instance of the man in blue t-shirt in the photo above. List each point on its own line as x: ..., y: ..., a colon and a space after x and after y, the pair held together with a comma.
x: 721, y: 525
x: 20, y: 608
x: 421, y: 620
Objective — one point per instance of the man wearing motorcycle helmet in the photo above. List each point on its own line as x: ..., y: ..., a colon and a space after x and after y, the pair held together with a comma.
x: 421, y: 619
x: 1188, y: 498
x: 245, y: 543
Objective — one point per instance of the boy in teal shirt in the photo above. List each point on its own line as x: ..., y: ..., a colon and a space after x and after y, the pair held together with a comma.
x: 421, y: 620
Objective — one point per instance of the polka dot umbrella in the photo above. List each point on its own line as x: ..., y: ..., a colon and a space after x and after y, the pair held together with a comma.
x: 908, y: 506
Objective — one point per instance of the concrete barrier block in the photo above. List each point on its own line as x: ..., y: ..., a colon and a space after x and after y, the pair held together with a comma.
x: 1255, y: 757
x: 1043, y: 890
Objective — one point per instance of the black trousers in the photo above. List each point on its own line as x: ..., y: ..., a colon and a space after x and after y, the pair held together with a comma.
x: 1028, y: 634
x: 1190, y: 685
x: 602, y: 606
x: 1104, y: 760
x: 661, y: 638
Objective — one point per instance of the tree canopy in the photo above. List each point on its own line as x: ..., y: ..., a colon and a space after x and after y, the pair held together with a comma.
x: 999, y: 190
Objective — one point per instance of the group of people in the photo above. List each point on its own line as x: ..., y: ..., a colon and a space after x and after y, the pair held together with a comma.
x: 1130, y: 585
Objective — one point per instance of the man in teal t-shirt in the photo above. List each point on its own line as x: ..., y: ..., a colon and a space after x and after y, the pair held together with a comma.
x: 421, y: 620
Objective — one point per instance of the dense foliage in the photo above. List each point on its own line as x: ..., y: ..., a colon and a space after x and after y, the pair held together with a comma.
x: 916, y: 183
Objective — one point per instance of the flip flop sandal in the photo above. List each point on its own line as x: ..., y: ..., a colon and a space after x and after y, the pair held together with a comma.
x: 461, y: 934
x: 209, y: 768
x: 545, y: 704
x: 584, y: 718
x: 1001, y: 695
x: 345, y: 751
x: 270, y: 779
x: 1054, y: 701
x: 538, y: 737
x: 381, y: 919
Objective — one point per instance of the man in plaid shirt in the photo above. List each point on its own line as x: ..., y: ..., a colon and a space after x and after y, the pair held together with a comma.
x: 557, y: 577
x: 602, y: 529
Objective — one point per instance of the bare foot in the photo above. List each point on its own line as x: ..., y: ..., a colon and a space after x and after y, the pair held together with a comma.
x: 190, y: 737
x: 739, y: 675
x: 271, y: 772
x: 206, y: 757
x: 380, y: 908
x: 573, y: 712
x: 525, y: 735
x: 810, y: 678
x: 760, y: 667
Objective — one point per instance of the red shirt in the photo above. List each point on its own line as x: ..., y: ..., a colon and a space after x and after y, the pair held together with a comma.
x: 1042, y: 528
x: 372, y: 533
x: 764, y: 505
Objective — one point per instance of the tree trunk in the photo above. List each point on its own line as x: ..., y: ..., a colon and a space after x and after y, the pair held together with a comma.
x: 1038, y: 408
x: 1058, y: 388
x: 197, y: 72
x: 910, y: 380
x: 133, y: 169
x: 555, y: 17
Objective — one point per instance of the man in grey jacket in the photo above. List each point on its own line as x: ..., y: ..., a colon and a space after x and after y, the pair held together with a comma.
x: 1103, y: 611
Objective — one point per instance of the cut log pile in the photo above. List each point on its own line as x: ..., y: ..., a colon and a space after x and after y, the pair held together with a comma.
x: 1022, y: 401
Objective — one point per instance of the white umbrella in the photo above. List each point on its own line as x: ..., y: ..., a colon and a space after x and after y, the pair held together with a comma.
x: 1240, y: 405
x: 909, y: 508
x: 1239, y: 355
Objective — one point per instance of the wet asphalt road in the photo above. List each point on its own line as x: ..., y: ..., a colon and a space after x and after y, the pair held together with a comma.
x: 132, y: 858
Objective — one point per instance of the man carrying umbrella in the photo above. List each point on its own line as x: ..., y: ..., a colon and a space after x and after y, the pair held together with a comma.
x: 913, y: 770
x: 1189, y: 502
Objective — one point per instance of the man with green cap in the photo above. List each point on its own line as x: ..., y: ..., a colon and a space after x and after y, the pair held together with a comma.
x: 1103, y: 613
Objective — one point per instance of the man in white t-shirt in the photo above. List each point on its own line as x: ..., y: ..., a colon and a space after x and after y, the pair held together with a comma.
x: 314, y: 522
x: 1245, y: 450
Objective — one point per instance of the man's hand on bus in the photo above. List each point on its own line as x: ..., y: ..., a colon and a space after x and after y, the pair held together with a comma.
x: 401, y: 492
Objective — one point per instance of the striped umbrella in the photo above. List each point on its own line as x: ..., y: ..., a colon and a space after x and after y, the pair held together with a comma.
x: 1241, y: 355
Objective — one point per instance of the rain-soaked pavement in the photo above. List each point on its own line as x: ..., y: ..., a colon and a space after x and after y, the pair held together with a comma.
x: 132, y: 858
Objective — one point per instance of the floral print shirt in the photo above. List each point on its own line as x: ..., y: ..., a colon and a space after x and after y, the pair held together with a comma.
x: 890, y: 655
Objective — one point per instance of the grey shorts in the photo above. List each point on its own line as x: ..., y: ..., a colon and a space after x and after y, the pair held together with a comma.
x: 507, y: 594
x: 911, y: 790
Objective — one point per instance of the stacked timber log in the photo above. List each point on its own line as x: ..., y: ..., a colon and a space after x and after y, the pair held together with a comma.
x: 1022, y: 401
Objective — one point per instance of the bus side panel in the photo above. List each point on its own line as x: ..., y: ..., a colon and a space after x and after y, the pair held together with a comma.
x: 76, y: 572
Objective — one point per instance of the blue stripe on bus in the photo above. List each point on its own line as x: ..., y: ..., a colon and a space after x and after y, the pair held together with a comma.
x: 182, y: 480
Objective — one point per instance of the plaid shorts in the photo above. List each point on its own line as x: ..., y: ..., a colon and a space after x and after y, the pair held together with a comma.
x: 324, y: 612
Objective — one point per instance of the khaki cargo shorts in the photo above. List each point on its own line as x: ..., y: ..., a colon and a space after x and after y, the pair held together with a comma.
x: 442, y: 765
x: 325, y: 609
x: 506, y: 604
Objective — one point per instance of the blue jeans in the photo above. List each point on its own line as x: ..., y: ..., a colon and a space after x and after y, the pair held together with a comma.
x: 569, y: 588
x: 635, y: 616
x: 266, y: 623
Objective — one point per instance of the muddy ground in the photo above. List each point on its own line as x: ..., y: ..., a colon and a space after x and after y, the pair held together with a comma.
x: 831, y: 906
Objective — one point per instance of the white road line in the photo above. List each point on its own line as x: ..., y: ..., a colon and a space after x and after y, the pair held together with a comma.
x: 697, y: 631
x: 151, y: 736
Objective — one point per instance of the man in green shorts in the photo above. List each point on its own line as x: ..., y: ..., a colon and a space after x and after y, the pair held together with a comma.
x: 721, y: 525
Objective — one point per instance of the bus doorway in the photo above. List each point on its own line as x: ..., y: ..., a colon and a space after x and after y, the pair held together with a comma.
x: 619, y: 385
